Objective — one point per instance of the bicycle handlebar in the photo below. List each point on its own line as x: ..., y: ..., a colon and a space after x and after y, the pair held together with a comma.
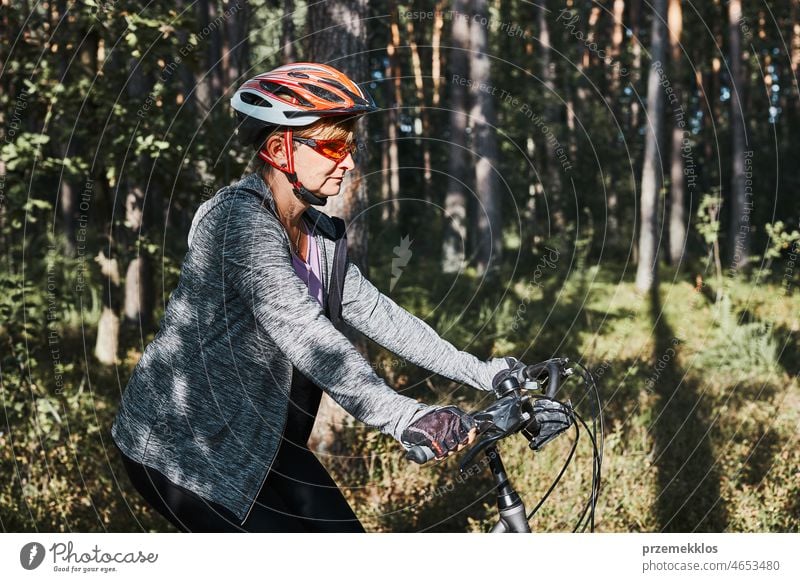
x: 420, y: 454
x: 507, y: 415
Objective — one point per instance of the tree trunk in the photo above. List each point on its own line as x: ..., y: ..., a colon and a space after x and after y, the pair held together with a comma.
x: 553, y: 169
x: 139, y: 288
x: 207, y: 79
x: 795, y: 56
x: 454, y: 234
x: 741, y: 207
x: 636, y: 62
x: 188, y: 98
x: 66, y: 145
x: 421, y: 110
x: 339, y: 39
x: 617, y: 37
x: 391, y: 191
x: 107, y: 343
x: 287, y: 33
x: 647, y: 269
x: 436, y: 45
x: 535, y: 189
x: 487, y: 219
x: 677, y: 184
x: 237, y: 56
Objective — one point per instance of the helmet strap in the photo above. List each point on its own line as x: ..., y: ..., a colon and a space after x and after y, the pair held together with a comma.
x: 300, y: 191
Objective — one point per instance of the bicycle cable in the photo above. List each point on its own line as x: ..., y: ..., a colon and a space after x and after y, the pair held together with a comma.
x: 597, y: 453
x: 563, y: 469
x: 592, y: 502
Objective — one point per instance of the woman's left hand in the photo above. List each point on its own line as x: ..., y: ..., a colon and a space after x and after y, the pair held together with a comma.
x: 445, y: 431
x: 473, y: 433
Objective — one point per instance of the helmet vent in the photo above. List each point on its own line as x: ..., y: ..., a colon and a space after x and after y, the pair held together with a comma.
x: 251, y: 99
x: 298, y: 75
x: 356, y: 98
x: 323, y: 93
x: 284, y: 92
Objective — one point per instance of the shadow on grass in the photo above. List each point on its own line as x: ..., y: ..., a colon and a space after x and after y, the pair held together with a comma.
x: 789, y: 342
x: 688, y: 479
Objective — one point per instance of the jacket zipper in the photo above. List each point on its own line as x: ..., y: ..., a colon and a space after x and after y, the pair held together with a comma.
x: 286, y: 415
x: 324, y: 269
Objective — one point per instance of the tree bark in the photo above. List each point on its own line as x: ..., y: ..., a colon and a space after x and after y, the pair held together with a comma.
x: 454, y: 236
x: 487, y: 219
x: 139, y: 289
x: 677, y: 207
x: 617, y: 37
x: 636, y: 62
x: 436, y: 45
x: 391, y: 180
x: 66, y: 145
x: 795, y: 55
x: 107, y: 343
x: 647, y: 269
x: 208, y: 81
x: 287, y: 32
x: 548, y: 73
x: 237, y: 56
x: 420, y: 109
x: 340, y: 40
x: 739, y: 233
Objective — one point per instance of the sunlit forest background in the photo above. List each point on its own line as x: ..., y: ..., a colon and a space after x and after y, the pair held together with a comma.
x: 614, y: 181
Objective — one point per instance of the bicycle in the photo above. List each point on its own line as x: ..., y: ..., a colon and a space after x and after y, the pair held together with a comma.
x: 514, y: 412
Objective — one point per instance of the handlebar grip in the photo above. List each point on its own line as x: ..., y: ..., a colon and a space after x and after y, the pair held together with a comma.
x: 554, y: 373
x: 551, y: 369
x: 420, y: 454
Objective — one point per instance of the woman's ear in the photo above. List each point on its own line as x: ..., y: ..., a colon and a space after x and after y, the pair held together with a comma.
x: 275, y: 148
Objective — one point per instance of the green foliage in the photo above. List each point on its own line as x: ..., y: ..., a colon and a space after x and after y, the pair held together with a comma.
x: 740, y: 346
x: 780, y: 240
x: 708, y: 224
x: 782, y: 248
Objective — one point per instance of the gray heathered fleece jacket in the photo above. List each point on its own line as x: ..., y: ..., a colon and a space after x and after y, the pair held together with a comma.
x: 207, y: 403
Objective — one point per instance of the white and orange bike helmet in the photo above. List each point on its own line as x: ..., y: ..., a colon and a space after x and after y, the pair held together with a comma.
x: 295, y: 95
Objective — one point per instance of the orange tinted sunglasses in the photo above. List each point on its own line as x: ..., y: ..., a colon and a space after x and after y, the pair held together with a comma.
x: 333, y: 149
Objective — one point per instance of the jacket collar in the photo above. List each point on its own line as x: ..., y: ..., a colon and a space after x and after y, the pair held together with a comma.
x: 316, y: 220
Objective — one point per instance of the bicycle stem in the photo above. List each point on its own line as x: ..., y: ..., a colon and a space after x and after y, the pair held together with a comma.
x: 509, y: 503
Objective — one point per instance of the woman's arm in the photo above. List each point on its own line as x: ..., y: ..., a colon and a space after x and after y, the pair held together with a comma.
x: 257, y: 268
x: 382, y: 320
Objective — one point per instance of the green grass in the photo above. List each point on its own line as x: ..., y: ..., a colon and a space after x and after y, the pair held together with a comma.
x: 701, y: 403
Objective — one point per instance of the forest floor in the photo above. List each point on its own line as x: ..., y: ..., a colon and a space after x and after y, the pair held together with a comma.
x: 701, y: 403
x: 700, y: 400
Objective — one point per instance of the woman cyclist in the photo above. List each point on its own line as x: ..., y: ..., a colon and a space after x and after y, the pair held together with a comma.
x: 214, y: 422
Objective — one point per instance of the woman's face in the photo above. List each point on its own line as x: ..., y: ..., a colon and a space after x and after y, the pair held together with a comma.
x: 320, y: 174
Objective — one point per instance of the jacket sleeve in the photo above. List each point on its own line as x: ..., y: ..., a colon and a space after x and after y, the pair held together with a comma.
x: 257, y: 267
x: 382, y: 320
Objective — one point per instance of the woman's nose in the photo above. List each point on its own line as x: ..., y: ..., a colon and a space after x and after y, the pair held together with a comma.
x: 348, y: 163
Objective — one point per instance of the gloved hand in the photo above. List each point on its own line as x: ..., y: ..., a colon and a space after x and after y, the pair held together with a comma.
x: 515, y: 369
x: 442, y: 431
x: 550, y: 419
